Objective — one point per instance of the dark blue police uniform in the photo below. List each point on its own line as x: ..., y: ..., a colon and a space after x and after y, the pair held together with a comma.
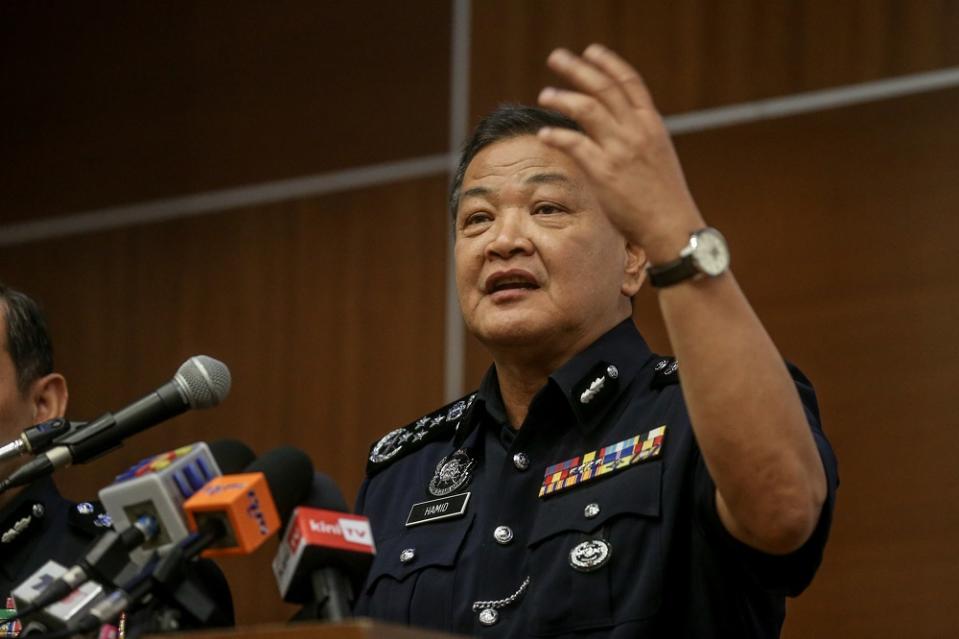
x: 39, y: 525
x: 596, y: 519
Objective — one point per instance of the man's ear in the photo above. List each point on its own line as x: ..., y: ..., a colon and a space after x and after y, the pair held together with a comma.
x: 634, y: 269
x: 49, y: 396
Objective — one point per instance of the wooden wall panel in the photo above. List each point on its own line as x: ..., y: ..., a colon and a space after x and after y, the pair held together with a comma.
x: 116, y: 102
x: 326, y: 311
x: 329, y: 311
x: 862, y: 203
x: 696, y: 54
x: 315, y: 306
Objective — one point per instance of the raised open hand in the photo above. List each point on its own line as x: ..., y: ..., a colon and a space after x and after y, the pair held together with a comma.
x: 626, y: 150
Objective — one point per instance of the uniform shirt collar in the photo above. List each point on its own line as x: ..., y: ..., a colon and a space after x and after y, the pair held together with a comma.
x: 622, y: 347
x: 487, y: 404
x: 615, y: 359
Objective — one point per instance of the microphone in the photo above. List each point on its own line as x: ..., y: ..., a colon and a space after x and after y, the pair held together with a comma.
x: 250, y: 507
x: 201, y: 382
x: 35, y: 439
x: 150, y: 497
x: 158, y: 486
x: 325, y: 555
x: 325, y: 494
x: 233, y: 514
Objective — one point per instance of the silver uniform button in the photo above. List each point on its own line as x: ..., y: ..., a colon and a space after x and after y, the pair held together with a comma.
x: 503, y: 535
x: 488, y: 616
x: 612, y: 371
x: 591, y: 510
x: 521, y: 461
x: 407, y: 555
x: 38, y: 510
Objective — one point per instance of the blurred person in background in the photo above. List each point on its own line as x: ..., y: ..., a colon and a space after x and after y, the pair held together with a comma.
x: 36, y: 523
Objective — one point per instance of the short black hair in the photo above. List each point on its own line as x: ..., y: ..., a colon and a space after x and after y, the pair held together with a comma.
x: 507, y: 121
x: 28, y: 340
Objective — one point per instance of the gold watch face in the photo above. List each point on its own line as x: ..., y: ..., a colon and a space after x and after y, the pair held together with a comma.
x: 711, y: 253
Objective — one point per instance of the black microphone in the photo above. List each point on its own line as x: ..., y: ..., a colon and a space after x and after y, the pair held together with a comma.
x: 325, y: 554
x: 35, y: 439
x: 324, y: 493
x: 201, y: 382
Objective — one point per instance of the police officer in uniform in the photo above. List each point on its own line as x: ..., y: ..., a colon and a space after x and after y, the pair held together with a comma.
x: 591, y: 488
x: 36, y: 523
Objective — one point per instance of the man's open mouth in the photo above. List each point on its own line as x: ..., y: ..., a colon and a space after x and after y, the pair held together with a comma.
x: 510, y: 280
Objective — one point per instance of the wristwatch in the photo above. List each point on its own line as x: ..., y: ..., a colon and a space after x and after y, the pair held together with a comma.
x: 706, y: 254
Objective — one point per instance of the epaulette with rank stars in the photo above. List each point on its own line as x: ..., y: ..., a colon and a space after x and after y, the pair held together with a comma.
x: 666, y: 372
x: 16, y: 526
x: 400, y: 442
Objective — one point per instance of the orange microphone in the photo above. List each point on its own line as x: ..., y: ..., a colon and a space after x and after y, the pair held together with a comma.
x: 248, y: 508
x: 242, y: 505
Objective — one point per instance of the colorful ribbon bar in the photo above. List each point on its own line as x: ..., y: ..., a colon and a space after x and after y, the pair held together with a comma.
x: 609, y: 459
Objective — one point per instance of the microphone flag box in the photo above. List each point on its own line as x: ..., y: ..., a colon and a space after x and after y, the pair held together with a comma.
x: 157, y: 487
x: 315, y: 538
x: 59, y: 614
x: 243, y: 505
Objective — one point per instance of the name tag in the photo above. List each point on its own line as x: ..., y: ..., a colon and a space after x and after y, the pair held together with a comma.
x: 438, y: 509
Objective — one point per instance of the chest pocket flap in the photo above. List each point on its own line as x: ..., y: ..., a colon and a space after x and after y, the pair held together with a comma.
x: 433, y: 545
x: 633, y: 491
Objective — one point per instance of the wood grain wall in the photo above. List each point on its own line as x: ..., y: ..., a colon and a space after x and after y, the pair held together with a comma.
x: 329, y: 309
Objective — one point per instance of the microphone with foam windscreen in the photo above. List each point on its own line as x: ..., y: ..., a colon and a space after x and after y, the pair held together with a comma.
x: 325, y: 554
x: 201, y: 382
x: 233, y: 514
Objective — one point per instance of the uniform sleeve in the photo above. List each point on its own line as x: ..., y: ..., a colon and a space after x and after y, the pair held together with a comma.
x: 788, y: 574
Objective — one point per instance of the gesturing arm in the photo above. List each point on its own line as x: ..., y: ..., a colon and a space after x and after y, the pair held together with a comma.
x: 745, y: 410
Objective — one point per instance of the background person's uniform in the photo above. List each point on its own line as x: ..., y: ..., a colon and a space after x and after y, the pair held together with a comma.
x: 622, y: 543
x: 38, y: 525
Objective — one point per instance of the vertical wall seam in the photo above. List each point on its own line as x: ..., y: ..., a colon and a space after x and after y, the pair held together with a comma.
x: 454, y: 364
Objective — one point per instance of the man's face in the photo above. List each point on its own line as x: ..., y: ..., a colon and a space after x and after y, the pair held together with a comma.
x: 538, y: 264
x: 16, y: 410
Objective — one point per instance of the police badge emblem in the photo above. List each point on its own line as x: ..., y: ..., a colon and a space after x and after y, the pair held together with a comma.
x: 389, y: 445
x: 452, y: 473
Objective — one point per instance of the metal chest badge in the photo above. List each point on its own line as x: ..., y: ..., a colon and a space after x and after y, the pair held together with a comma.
x: 452, y: 473
x: 590, y: 555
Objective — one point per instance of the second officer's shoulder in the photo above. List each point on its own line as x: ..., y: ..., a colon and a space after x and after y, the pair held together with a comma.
x: 88, y: 518
x: 400, y: 442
